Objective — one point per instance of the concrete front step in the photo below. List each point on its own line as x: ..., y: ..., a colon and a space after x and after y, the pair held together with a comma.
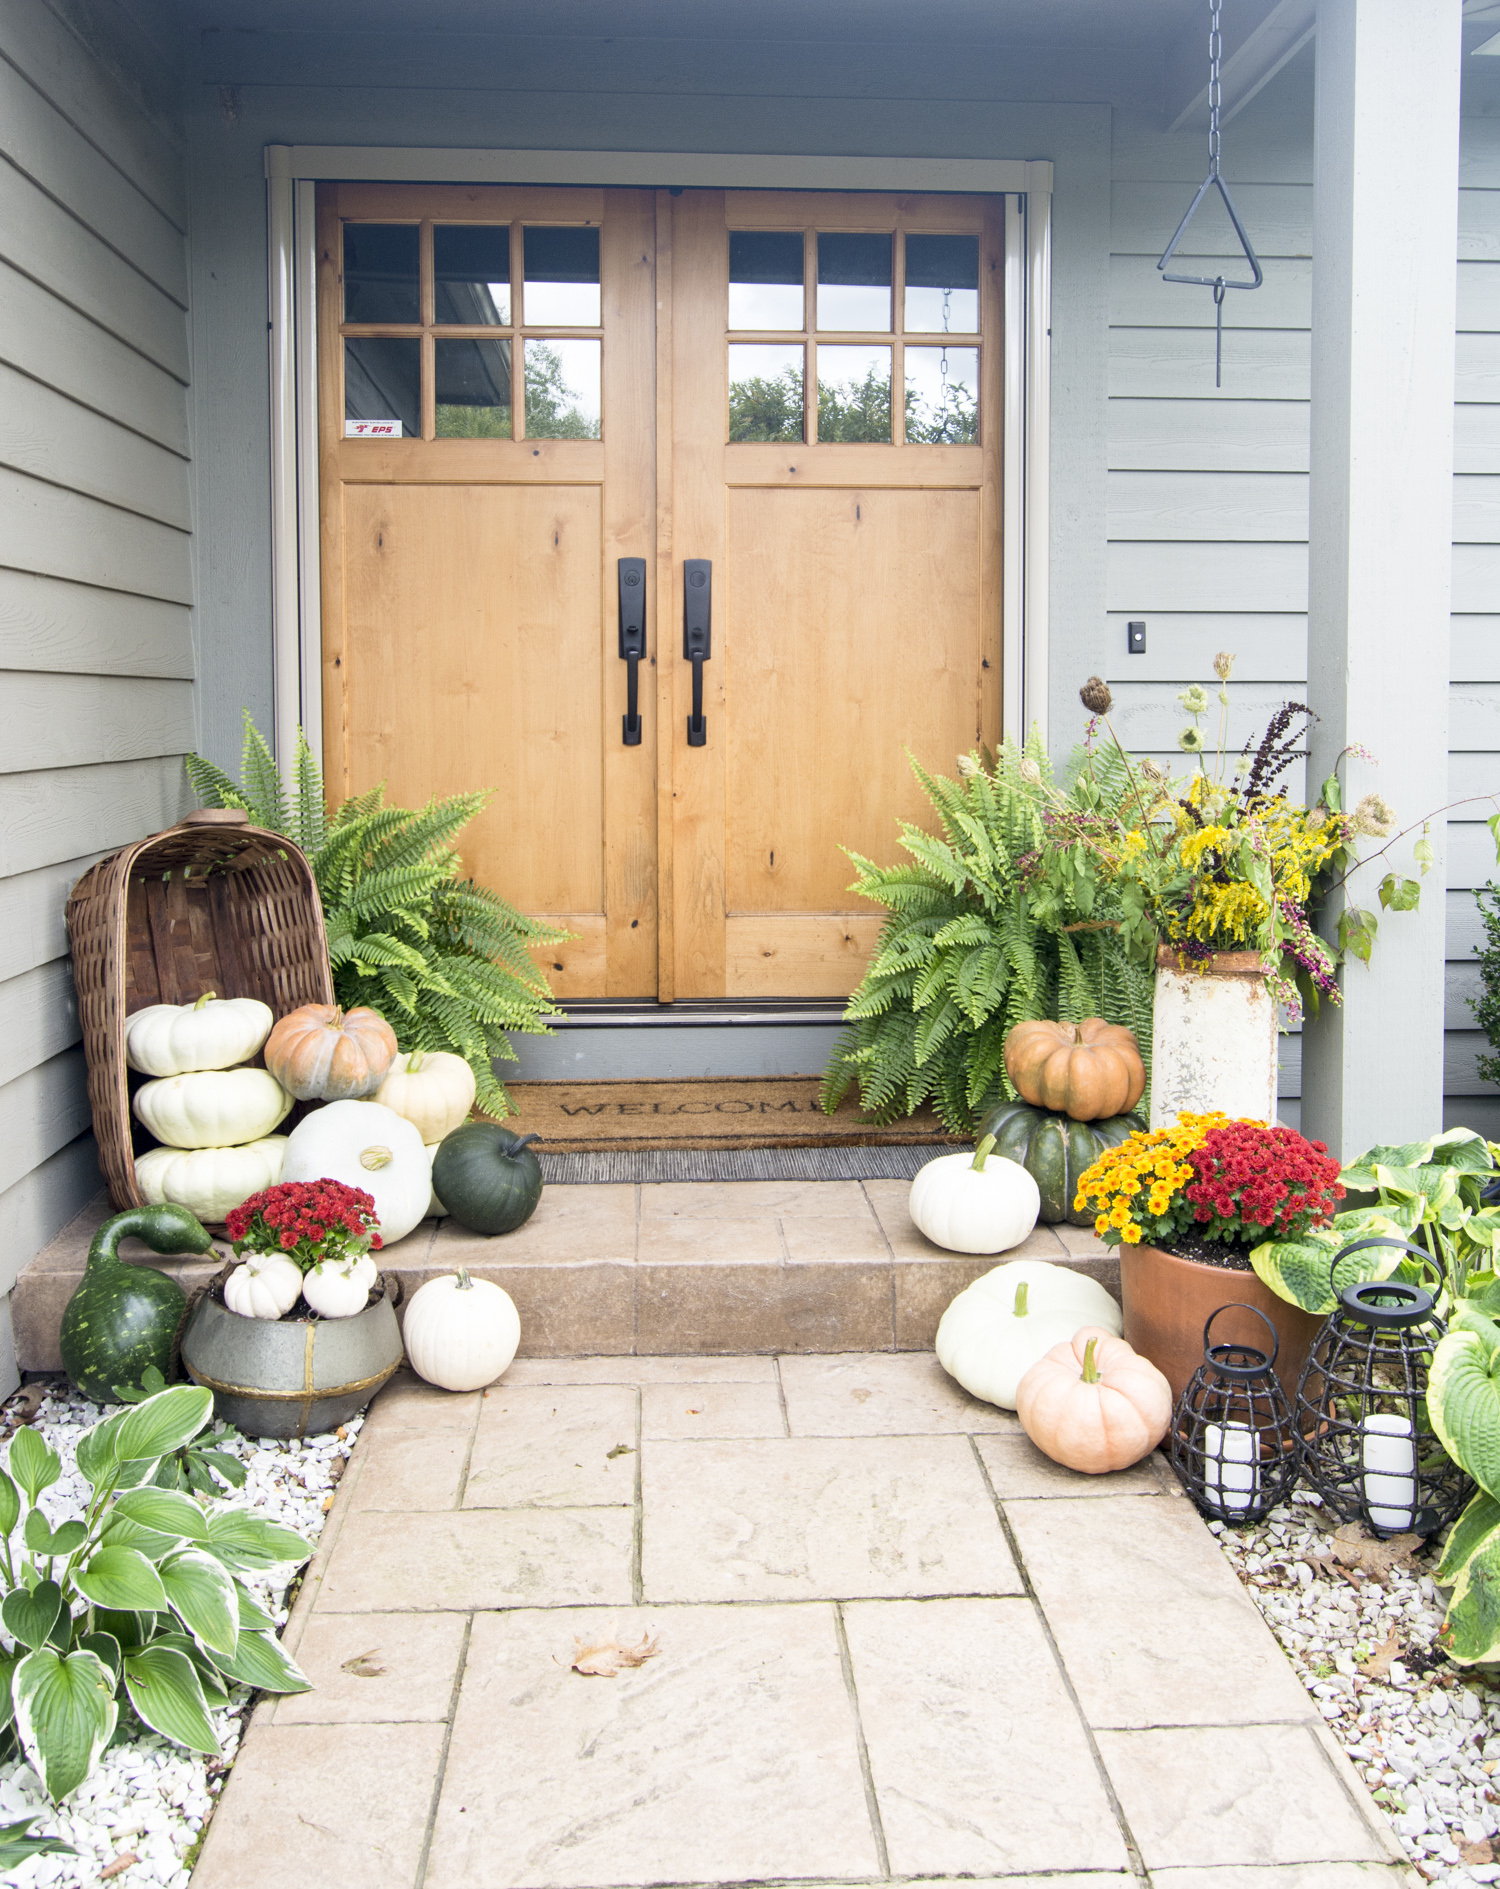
x: 651, y: 1269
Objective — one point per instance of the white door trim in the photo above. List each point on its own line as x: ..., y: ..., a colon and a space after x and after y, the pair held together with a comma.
x: 292, y: 172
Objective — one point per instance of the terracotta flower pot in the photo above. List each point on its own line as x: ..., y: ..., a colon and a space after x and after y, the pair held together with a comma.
x: 290, y: 1377
x: 1168, y: 1300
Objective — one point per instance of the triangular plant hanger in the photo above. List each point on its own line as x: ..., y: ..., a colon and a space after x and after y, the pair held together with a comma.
x: 1218, y: 283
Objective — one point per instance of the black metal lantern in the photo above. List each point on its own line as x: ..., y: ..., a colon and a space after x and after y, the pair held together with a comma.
x: 1367, y: 1446
x: 1234, y: 1445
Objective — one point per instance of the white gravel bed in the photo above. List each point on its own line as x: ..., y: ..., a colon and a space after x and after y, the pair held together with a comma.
x: 1425, y: 1736
x: 150, y: 1798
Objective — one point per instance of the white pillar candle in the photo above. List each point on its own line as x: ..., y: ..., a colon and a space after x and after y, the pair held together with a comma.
x: 1388, y: 1455
x: 1230, y: 1467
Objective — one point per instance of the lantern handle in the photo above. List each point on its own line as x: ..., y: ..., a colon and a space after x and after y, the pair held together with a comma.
x: 1385, y: 1239
x: 1239, y: 1305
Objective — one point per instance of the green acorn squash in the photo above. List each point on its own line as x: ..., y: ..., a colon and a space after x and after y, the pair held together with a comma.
x: 487, y: 1178
x: 123, y: 1317
x: 1054, y: 1151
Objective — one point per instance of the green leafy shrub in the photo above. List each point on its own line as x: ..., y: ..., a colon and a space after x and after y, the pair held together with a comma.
x: 443, y: 960
x: 998, y: 919
x: 140, y: 1595
x: 1486, y: 1005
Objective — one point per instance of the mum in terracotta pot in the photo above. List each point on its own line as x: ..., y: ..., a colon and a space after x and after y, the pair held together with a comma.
x: 1186, y: 1205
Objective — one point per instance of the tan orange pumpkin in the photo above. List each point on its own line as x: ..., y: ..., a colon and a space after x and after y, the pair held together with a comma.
x: 324, y: 1054
x: 1094, y: 1404
x: 1086, y: 1070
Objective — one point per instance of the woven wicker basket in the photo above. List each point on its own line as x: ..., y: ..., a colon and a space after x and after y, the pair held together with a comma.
x: 211, y: 904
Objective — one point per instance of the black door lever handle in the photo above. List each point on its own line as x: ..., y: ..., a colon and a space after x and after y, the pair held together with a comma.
x: 697, y: 601
x: 632, y: 641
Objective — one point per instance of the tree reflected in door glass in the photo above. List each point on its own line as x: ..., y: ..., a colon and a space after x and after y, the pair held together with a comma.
x: 473, y: 389
x: 854, y: 395
x: 562, y: 389
x: 942, y: 396
x: 765, y: 392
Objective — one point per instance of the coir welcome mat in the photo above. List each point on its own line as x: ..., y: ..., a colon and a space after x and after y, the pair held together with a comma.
x: 736, y: 1112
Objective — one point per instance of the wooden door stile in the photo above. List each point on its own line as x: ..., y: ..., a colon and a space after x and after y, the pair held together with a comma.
x: 661, y: 630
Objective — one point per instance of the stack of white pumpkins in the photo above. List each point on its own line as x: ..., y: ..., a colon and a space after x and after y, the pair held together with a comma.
x: 1031, y: 1336
x: 212, y: 1113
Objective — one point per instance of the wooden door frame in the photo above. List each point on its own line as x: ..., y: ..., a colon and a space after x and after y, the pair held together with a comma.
x: 292, y: 174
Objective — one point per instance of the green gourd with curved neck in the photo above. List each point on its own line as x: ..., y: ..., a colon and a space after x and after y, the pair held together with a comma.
x: 125, y: 1317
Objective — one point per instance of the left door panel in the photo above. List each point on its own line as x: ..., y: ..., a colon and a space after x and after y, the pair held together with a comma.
x: 470, y: 538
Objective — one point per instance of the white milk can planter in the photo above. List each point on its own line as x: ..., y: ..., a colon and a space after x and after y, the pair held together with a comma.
x: 1213, y: 1039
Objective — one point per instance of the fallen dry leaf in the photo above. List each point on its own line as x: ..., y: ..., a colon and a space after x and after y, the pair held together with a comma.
x: 605, y: 1658
x: 23, y: 1407
x: 620, y: 1449
x: 1477, y: 1852
x: 123, y: 1861
x: 365, y: 1665
x: 1378, y: 1665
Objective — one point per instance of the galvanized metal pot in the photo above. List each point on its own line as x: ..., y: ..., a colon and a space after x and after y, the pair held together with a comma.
x: 290, y: 1377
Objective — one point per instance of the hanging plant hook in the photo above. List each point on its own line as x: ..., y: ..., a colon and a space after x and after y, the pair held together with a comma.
x: 1214, y: 181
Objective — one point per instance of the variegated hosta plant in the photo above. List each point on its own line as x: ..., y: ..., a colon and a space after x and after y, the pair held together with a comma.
x: 1463, y: 1404
x: 141, y: 1593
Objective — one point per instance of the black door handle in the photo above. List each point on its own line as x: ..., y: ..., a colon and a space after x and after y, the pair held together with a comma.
x: 697, y: 601
x: 632, y: 641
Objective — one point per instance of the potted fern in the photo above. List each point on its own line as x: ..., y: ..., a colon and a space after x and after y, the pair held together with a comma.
x: 443, y: 959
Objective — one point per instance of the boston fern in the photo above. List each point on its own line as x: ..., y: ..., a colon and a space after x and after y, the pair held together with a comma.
x: 443, y: 960
x: 982, y: 936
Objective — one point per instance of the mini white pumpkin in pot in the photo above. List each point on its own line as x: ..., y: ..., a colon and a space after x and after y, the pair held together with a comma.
x: 263, y: 1285
x: 337, y: 1288
x: 460, y: 1332
x: 979, y: 1203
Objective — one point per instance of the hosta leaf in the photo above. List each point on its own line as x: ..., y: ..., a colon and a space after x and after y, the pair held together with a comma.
x: 202, y: 1595
x: 30, y: 1617
x: 121, y: 1578
x: 253, y: 1617
x: 165, y: 1511
x: 162, y: 1423
x: 165, y: 1692
x: 1303, y: 1271
x: 1466, y: 1535
x: 10, y: 1504
x: 1463, y: 1397
x: 34, y: 1466
x: 120, y: 1532
x: 213, y: 1682
x: 1471, y: 1632
x: 16, y: 1846
x: 106, y: 1647
x: 42, y: 1540
x: 65, y: 1715
x: 260, y: 1660
x: 244, y: 1541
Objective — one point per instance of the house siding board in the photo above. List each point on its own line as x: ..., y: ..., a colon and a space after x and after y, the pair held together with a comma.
x: 96, y: 644
x: 1207, y: 489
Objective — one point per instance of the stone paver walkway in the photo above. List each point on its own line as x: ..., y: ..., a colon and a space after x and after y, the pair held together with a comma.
x: 895, y: 1645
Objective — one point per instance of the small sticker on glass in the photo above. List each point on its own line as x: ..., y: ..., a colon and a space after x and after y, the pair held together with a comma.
x: 372, y: 429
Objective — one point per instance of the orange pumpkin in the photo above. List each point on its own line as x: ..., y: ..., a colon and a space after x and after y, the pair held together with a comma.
x: 1094, y: 1404
x: 1087, y: 1070
x: 324, y: 1054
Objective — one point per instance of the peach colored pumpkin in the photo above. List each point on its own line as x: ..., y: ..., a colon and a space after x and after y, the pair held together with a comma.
x: 324, y: 1054
x: 1087, y: 1070
x: 1094, y: 1404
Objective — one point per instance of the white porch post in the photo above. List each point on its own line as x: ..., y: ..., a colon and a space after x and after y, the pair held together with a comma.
x: 1385, y: 209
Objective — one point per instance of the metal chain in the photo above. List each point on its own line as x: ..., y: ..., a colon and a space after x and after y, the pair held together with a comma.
x: 1215, y: 53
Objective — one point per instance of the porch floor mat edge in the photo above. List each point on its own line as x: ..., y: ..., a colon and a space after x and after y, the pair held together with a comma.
x: 881, y: 1162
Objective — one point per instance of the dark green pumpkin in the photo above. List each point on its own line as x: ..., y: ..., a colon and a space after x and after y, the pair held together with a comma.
x: 124, y: 1317
x: 487, y: 1178
x: 1054, y: 1151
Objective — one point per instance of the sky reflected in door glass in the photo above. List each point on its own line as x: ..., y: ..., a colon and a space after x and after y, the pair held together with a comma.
x: 562, y: 278
x: 942, y: 396
x: 942, y: 284
x: 473, y: 389
x: 765, y: 391
x: 383, y: 381
x: 854, y: 282
x: 765, y: 279
x: 562, y: 388
x: 471, y: 274
x: 381, y: 272
x: 854, y: 394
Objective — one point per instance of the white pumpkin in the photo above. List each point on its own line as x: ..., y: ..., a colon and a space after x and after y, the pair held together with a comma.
x: 997, y: 1328
x: 210, y: 1181
x: 364, y: 1269
x: 461, y: 1333
x: 979, y: 1203
x: 265, y: 1286
x: 334, y: 1288
x: 214, y: 1033
x: 364, y: 1144
x: 212, y: 1108
x: 432, y: 1088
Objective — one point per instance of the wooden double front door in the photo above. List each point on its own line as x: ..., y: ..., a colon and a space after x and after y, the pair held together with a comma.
x: 782, y: 412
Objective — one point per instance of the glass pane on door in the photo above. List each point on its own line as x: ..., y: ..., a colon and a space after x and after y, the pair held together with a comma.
x: 854, y: 395
x: 473, y: 389
x: 942, y: 284
x: 765, y: 391
x: 383, y: 382
x: 765, y: 279
x: 562, y: 278
x: 471, y: 274
x: 854, y: 282
x: 942, y: 396
x: 562, y: 389
x: 381, y: 281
